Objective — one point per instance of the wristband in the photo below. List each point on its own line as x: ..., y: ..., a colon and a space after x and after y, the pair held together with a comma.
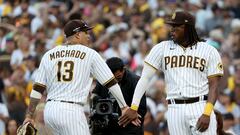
x: 134, y: 107
x: 35, y: 94
x: 208, y: 109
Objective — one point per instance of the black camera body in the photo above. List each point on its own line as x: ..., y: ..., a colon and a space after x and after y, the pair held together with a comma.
x: 102, y: 111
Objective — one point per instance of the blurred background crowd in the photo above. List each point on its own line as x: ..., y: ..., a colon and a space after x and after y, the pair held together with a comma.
x: 122, y: 28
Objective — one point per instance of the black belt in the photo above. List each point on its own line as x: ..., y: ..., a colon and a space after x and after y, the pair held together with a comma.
x: 71, y: 102
x: 188, y: 100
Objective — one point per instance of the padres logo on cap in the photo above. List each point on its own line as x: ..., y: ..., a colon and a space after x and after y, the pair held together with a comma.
x: 220, y: 66
x: 173, y: 16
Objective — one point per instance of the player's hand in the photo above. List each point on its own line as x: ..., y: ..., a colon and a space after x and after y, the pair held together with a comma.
x: 203, y: 123
x: 124, y: 109
x: 137, y: 122
x: 28, y: 119
x: 128, y: 115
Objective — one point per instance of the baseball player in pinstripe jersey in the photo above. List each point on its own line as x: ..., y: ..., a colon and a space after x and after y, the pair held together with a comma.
x: 192, y: 70
x: 66, y: 73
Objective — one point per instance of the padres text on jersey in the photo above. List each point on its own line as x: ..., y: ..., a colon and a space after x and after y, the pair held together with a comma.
x: 186, y: 69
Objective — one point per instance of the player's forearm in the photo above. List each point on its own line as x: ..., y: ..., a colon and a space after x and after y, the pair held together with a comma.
x: 35, y: 96
x: 139, y: 91
x: 116, y: 92
x: 114, y: 88
x: 212, y: 95
x: 213, y: 90
x: 142, y: 85
x: 32, y: 107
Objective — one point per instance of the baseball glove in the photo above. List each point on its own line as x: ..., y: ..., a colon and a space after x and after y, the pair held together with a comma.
x: 26, y: 129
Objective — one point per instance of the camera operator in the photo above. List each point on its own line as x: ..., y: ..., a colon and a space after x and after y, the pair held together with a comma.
x: 127, y: 81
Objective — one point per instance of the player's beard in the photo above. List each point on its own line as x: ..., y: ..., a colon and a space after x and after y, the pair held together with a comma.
x: 174, y: 39
x: 177, y: 40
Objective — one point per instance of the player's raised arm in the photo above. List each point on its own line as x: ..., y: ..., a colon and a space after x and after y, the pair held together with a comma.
x: 131, y: 114
x: 151, y: 65
x: 103, y: 74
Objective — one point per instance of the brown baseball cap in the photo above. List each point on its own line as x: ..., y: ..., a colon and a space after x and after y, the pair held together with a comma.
x: 181, y: 17
x: 74, y: 26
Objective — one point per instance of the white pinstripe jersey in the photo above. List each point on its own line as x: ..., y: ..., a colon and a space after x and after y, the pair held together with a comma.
x: 67, y: 72
x: 186, y: 70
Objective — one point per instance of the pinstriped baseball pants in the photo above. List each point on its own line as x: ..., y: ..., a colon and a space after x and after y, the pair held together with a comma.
x: 65, y: 119
x: 182, y: 119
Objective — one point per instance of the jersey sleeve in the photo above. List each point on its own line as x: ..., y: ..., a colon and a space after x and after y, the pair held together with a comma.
x: 41, y: 72
x: 154, y: 58
x: 100, y: 70
x: 215, y: 67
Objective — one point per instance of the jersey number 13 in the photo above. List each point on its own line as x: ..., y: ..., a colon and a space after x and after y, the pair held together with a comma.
x: 65, y: 74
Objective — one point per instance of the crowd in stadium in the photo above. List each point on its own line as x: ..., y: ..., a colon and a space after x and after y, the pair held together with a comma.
x: 127, y: 29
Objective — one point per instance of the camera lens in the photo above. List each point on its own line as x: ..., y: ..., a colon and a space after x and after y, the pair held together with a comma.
x: 104, y: 107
